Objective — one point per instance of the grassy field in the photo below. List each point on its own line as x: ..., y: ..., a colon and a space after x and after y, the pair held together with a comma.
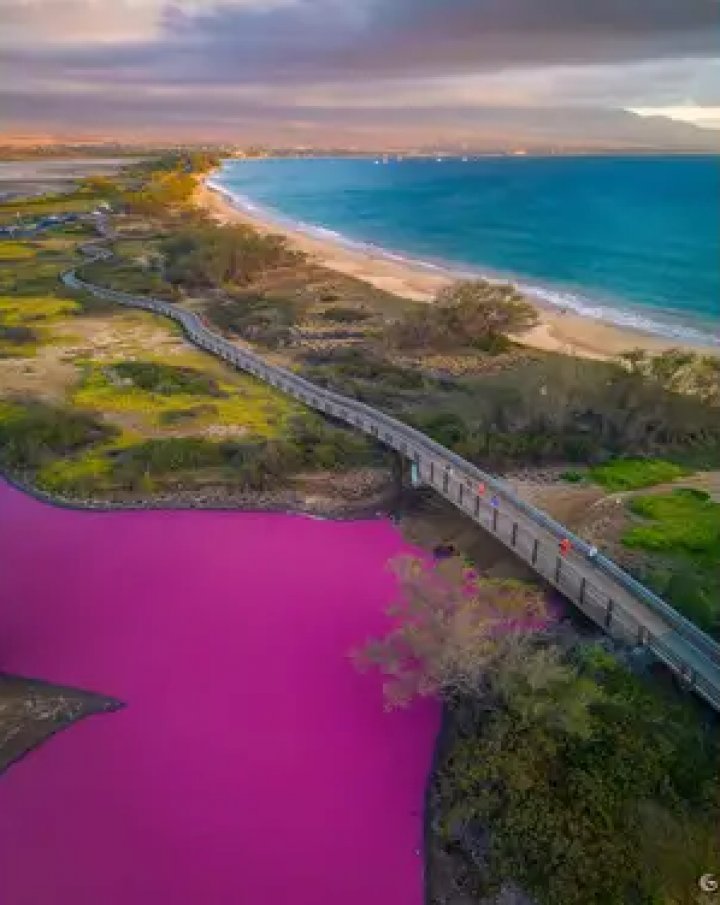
x: 96, y: 399
x: 679, y: 533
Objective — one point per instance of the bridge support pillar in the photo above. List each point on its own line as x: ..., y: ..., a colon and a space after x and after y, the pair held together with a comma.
x: 415, y: 478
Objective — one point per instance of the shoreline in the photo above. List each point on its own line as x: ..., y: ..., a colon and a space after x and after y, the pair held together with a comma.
x: 381, y: 505
x: 566, y: 333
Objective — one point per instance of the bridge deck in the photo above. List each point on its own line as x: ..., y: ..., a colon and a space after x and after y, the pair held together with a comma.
x: 611, y: 598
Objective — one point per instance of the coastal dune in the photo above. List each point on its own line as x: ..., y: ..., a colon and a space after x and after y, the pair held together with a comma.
x: 556, y: 331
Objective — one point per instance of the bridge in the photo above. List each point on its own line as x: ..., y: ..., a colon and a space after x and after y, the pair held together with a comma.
x: 617, y: 603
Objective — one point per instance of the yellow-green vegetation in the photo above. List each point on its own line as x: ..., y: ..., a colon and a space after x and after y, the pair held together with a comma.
x: 153, y: 388
x: 169, y: 418
x: 34, y: 310
x: 680, y: 533
x: 634, y: 474
x: 33, y: 434
x: 685, y: 519
x: 206, y: 254
x: 25, y: 322
x: 77, y: 475
x: 187, y: 462
x: 15, y: 251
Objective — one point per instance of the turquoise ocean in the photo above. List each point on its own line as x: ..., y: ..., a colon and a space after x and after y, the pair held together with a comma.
x: 630, y: 240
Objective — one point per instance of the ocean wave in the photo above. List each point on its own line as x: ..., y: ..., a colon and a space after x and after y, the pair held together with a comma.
x: 650, y: 321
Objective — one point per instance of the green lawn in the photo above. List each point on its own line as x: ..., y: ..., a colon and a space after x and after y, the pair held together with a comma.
x: 634, y: 474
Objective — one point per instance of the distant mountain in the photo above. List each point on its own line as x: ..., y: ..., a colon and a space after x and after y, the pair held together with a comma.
x: 468, y: 129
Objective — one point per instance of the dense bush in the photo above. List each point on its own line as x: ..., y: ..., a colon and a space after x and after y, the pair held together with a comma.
x: 342, y: 367
x: 17, y: 335
x: 206, y: 255
x: 343, y: 315
x: 567, y: 410
x: 446, y: 428
x: 253, y: 464
x: 162, y: 191
x: 562, y: 773
x: 167, y: 380
x: 473, y: 313
x: 586, y: 818
x: 167, y: 455
x: 255, y: 317
x: 32, y: 433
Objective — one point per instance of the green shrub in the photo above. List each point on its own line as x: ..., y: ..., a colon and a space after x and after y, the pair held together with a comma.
x: 580, y: 818
x: 255, y: 317
x: 633, y: 474
x: 342, y: 315
x: 469, y: 313
x: 573, y: 477
x: 181, y: 416
x: 446, y: 428
x: 167, y: 380
x: 17, y: 335
x: 32, y: 434
x: 253, y: 463
x: 206, y: 254
x: 166, y: 455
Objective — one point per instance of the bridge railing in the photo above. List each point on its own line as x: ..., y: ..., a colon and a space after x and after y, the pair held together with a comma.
x: 459, y: 481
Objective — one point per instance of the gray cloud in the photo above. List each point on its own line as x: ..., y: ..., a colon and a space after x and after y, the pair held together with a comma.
x: 325, y: 39
x: 370, y: 54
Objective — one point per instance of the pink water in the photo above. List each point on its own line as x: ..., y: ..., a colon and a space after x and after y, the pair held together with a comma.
x: 253, y: 763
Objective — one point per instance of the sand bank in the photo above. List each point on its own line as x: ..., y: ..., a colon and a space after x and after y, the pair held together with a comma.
x: 556, y: 332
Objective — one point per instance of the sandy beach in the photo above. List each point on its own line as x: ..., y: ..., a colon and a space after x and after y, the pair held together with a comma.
x: 556, y: 332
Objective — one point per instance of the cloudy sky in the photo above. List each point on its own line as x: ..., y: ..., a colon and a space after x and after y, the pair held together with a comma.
x: 365, y: 72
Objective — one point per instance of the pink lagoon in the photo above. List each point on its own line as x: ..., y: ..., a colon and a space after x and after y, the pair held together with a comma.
x: 252, y: 763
